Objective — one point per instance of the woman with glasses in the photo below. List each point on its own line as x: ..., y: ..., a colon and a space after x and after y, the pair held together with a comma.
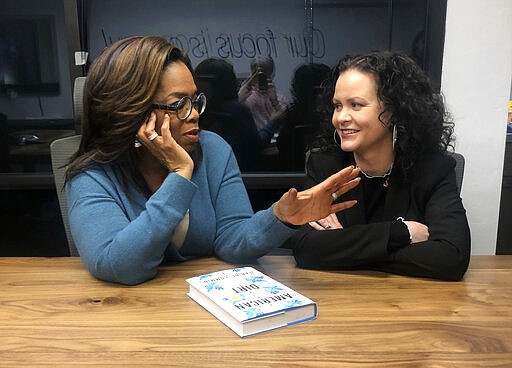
x: 386, y: 119
x: 147, y: 186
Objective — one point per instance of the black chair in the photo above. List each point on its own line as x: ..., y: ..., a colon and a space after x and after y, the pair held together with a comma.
x: 302, y: 136
x: 459, y: 168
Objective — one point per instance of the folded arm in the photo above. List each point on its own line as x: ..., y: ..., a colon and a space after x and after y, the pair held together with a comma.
x: 123, y: 245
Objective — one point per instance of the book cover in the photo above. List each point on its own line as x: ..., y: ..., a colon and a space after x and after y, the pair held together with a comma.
x: 250, y: 302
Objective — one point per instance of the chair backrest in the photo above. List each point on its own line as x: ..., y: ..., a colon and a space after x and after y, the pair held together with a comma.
x: 302, y: 136
x: 459, y: 168
x: 61, y: 150
x: 78, y: 101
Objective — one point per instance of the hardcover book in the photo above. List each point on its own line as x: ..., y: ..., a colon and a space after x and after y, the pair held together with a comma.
x: 250, y: 302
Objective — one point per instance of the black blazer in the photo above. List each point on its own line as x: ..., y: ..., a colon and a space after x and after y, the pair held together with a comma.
x: 429, y: 197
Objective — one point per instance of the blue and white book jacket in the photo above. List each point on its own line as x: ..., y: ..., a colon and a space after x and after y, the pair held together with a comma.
x: 248, y: 301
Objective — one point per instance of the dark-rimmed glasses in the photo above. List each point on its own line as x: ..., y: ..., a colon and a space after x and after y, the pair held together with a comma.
x: 183, y: 108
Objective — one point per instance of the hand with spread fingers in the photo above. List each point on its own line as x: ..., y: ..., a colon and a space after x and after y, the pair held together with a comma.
x: 298, y: 208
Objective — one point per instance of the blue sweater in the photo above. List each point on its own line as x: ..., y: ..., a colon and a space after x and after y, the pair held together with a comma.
x: 123, y: 237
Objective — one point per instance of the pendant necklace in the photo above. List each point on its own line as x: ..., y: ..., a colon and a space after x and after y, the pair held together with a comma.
x: 384, y: 176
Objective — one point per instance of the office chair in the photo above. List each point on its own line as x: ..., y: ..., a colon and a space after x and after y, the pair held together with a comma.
x: 60, y: 151
x: 302, y: 136
x: 78, y: 101
x: 459, y: 168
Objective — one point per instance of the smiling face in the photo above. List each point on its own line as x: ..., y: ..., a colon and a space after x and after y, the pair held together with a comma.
x: 177, y: 82
x: 356, y: 115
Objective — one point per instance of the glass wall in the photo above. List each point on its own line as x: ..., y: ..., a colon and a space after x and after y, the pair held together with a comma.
x: 303, y: 39
x: 292, y: 33
x: 35, y: 108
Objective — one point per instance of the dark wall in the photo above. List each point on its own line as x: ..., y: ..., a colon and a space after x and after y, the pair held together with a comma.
x: 504, y: 239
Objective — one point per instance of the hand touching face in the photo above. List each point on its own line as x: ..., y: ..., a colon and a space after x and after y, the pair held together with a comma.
x: 164, y: 135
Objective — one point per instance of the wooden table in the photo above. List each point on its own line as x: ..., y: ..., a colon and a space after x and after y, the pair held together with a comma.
x: 53, y: 313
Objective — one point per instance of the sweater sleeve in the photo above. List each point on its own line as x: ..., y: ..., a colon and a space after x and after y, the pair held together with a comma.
x: 113, y: 244
x: 241, y: 235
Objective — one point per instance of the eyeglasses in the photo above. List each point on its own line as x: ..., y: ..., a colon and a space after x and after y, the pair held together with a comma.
x: 183, y: 108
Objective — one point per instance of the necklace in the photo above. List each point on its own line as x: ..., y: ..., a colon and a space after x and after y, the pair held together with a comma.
x: 377, y: 176
x: 384, y: 176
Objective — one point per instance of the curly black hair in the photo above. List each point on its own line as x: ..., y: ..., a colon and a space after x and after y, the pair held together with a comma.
x: 405, y: 91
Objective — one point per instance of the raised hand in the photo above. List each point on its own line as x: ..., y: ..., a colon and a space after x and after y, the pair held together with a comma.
x: 298, y: 208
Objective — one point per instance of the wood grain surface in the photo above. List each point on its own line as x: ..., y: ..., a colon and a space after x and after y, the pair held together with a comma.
x: 53, y: 313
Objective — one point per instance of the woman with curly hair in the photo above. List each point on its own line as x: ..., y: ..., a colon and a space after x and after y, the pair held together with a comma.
x: 409, y: 220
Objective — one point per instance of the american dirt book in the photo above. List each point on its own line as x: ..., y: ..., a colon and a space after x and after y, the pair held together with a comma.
x: 250, y: 302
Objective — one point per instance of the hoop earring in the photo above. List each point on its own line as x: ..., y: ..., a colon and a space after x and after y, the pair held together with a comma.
x: 394, y: 136
x: 335, y: 141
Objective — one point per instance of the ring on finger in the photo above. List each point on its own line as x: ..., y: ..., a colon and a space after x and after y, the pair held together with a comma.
x: 334, y: 196
x: 153, y: 136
